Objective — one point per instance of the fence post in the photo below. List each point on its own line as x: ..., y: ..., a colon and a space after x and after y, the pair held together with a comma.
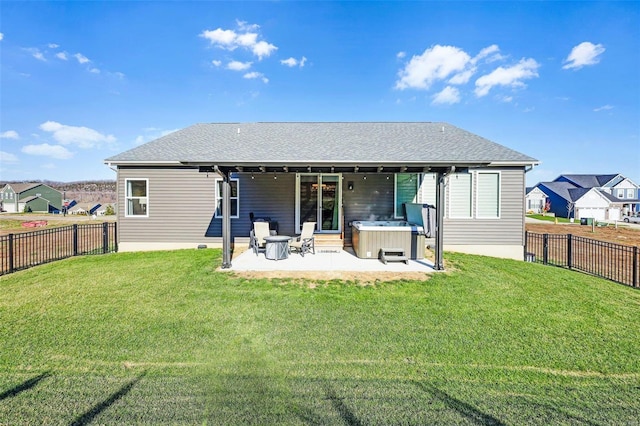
x: 635, y: 267
x: 569, y: 250
x: 526, y: 247
x: 105, y: 237
x: 545, y: 248
x: 115, y: 236
x: 10, y: 253
x: 75, y: 239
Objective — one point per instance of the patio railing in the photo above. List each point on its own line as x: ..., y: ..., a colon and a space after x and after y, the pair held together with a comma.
x: 24, y: 250
x: 615, y: 262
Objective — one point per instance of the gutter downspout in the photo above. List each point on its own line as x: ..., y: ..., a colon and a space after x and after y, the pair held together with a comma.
x: 226, y: 218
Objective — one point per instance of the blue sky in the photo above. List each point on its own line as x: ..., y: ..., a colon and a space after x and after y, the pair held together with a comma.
x: 81, y: 81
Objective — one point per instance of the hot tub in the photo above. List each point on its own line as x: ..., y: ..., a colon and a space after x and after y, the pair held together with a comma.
x: 369, y: 236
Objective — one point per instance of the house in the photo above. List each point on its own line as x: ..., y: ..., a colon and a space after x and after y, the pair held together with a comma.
x: 535, y: 200
x: 601, y: 197
x: 173, y: 191
x: 31, y: 197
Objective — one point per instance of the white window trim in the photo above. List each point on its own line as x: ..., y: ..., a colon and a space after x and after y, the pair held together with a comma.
x: 477, y: 194
x: 395, y: 192
x: 448, y: 201
x: 219, y: 197
x: 126, y: 198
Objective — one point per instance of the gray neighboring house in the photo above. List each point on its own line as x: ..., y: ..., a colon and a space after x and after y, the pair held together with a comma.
x: 171, y: 191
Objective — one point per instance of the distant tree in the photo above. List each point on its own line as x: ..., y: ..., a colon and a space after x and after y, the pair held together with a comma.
x: 109, y: 211
x: 570, y: 206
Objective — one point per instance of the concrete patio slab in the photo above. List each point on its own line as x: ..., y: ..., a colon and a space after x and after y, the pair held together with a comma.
x: 344, y: 260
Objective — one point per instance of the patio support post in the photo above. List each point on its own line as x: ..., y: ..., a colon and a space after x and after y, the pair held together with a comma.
x: 439, y: 263
x: 226, y: 219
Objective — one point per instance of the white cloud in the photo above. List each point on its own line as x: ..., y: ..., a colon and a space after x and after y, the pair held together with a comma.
x: 53, y: 46
x: 54, y: 151
x: 6, y: 158
x: 510, y: 76
x: 254, y: 74
x: 436, y: 63
x: 486, y: 52
x: 245, y: 37
x: 10, y: 134
x: 292, y: 62
x: 238, y: 66
x: 586, y: 53
x: 62, y: 55
x: 463, y: 77
x: 36, y: 53
x: 81, y: 58
x: 449, y: 95
x: 216, y: 63
x: 401, y: 55
x: 94, y: 70
x: 83, y: 137
x: 603, y: 108
x: 1, y: 36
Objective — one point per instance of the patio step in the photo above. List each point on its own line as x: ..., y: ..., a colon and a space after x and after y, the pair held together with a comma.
x: 328, y: 243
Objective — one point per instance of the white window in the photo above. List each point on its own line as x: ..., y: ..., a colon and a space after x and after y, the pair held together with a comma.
x: 460, y: 195
x: 630, y: 193
x: 136, y: 197
x: 620, y: 193
x: 405, y: 190
x: 235, y: 206
x: 488, y: 195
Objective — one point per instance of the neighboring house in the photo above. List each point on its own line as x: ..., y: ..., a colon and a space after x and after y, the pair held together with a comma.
x: 34, y: 197
x: 171, y: 190
x: 602, y: 197
x: 535, y: 200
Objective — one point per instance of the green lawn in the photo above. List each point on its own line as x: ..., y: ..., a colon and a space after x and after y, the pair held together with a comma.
x: 162, y: 338
x: 552, y: 218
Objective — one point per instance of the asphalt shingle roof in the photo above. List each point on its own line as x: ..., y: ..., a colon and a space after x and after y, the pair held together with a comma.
x: 323, y: 143
x: 589, y: 181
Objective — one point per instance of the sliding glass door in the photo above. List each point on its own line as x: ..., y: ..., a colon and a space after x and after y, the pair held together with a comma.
x: 318, y: 199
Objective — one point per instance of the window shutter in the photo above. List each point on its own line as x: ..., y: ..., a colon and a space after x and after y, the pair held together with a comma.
x: 460, y: 195
x: 488, y: 195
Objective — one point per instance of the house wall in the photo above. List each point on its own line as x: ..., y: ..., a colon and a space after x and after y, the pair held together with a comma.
x: 181, y: 206
x: 44, y: 191
x: 9, y: 199
x: 181, y: 209
x: 39, y: 205
x: 591, y: 205
x: 535, y: 201
x: 558, y: 204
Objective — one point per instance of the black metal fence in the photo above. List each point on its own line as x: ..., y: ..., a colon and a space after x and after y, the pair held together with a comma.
x: 615, y: 262
x: 24, y: 250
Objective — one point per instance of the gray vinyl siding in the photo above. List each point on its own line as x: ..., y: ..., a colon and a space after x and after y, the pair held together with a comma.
x: 181, y: 205
x: 507, y: 230
x: 265, y: 197
x: 370, y: 199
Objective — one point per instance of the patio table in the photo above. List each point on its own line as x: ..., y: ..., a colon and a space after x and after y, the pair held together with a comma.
x: 277, y: 247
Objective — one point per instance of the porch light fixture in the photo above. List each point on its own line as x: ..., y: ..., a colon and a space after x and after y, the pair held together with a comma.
x: 285, y: 169
x: 262, y: 169
x: 275, y: 176
x: 365, y: 177
x: 252, y: 177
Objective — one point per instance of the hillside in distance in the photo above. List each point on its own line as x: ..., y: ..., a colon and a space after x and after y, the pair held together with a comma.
x: 84, y: 191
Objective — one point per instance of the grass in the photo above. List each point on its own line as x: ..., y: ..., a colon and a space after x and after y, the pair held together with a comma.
x: 163, y: 338
x: 552, y: 218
